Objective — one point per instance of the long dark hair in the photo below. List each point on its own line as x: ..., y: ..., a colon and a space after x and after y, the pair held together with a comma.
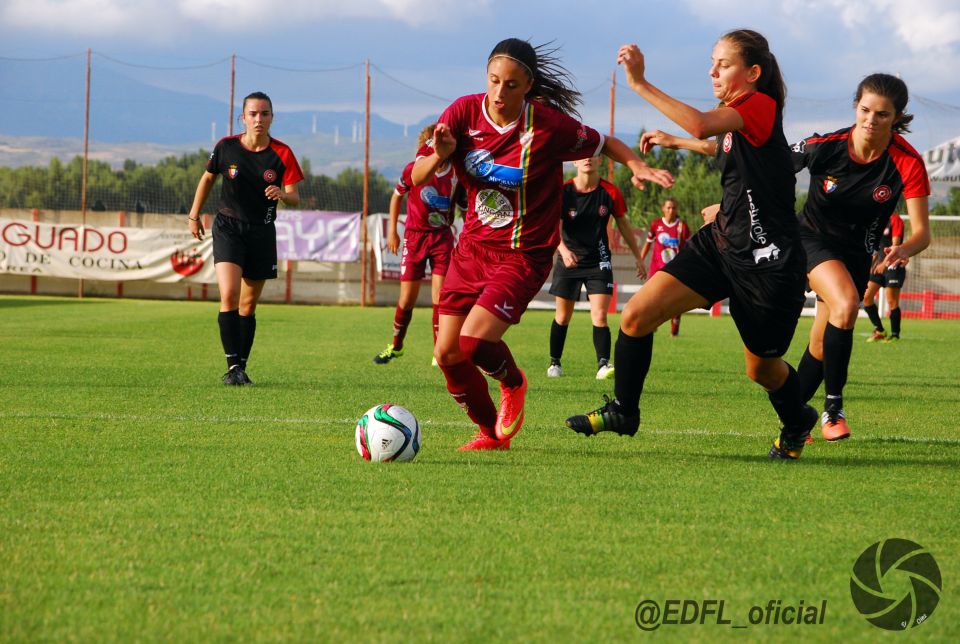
x: 755, y: 50
x: 256, y: 96
x: 552, y: 83
x: 891, y: 88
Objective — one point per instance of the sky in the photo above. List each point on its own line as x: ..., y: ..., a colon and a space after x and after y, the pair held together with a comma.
x: 425, y: 53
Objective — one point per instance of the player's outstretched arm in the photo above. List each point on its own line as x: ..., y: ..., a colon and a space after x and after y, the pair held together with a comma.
x: 648, y: 140
x: 617, y: 150
x: 444, y: 144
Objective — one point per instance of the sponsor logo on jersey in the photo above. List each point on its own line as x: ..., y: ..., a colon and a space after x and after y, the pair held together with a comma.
x: 882, y: 193
x: 233, y: 171
x: 757, y: 232
x: 829, y: 184
x: 434, y: 199
x: 727, y: 142
x: 493, y: 208
x: 474, y: 134
x: 479, y: 163
x: 269, y: 175
x: 767, y: 253
x: 799, y: 146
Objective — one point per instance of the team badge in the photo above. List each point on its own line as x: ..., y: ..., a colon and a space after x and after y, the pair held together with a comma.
x: 233, y: 171
x: 269, y: 176
x: 602, y: 210
x: 829, y: 184
x: 572, y: 213
x: 727, y: 142
x: 525, y: 139
x: 800, y: 146
x: 882, y: 193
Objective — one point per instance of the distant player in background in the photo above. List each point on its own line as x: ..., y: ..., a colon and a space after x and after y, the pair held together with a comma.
x: 507, y: 146
x: 857, y: 176
x: 258, y: 173
x: 666, y: 237
x: 584, y: 260
x: 427, y: 237
x: 891, y: 280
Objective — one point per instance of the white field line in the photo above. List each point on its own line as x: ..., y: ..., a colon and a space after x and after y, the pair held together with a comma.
x: 347, y: 422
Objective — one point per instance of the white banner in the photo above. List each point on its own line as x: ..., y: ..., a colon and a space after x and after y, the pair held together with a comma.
x: 943, y: 162
x: 100, y: 253
x: 318, y: 235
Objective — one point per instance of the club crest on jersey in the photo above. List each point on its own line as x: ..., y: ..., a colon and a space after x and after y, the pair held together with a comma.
x: 572, y: 213
x: 493, y: 208
x: 233, y: 171
x: 727, y: 142
x: 829, y: 185
x: 525, y: 139
x: 269, y: 175
x: 602, y: 210
x: 882, y: 193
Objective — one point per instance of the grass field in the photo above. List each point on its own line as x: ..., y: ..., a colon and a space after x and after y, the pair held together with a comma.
x: 140, y: 499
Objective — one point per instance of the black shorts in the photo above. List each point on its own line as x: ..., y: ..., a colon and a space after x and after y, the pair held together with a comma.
x: 890, y: 278
x: 253, y: 247
x: 820, y: 250
x: 765, y: 305
x: 567, y: 281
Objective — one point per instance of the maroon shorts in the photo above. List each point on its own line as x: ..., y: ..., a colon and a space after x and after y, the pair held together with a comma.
x: 420, y: 247
x: 501, y: 281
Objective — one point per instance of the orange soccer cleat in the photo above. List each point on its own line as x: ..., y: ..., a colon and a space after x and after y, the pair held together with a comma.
x: 482, y: 442
x: 510, y: 417
x: 833, y: 426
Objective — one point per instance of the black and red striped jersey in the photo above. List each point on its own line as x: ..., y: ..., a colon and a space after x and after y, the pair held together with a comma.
x: 246, y: 175
x: 756, y: 227
x: 585, y: 219
x: 851, y: 202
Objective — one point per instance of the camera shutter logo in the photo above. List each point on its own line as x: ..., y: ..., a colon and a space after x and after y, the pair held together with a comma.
x: 896, y: 584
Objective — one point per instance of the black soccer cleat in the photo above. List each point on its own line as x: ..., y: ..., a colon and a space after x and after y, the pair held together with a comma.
x: 608, y: 418
x: 789, y: 445
x: 236, y: 377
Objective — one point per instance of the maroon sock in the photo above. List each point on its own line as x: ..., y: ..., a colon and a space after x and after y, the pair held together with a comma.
x: 401, y: 320
x: 436, y: 322
x: 469, y: 388
x: 494, y: 359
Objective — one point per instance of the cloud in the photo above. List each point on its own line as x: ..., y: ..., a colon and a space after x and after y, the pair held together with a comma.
x: 159, y: 19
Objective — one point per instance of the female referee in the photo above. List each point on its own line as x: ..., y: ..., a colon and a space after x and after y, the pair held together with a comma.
x: 750, y: 253
x: 857, y: 176
x: 507, y: 146
x: 258, y: 172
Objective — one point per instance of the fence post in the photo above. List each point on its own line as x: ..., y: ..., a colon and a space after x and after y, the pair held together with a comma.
x: 929, y: 304
x: 613, y: 299
x: 123, y: 222
x: 33, y: 278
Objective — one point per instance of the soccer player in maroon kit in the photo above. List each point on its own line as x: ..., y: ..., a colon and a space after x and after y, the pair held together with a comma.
x: 507, y: 147
x: 584, y: 260
x: 427, y: 236
x: 892, y: 280
x: 749, y: 253
x: 666, y: 237
x: 258, y: 172
x: 857, y: 175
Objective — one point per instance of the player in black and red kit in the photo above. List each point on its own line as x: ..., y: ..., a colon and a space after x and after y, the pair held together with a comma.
x: 258, y: 172
x: 427, y: 237
x: 584, y: 259
x: 750, y: 253
x: 857, y: 175
x: 891, y: 280
x: 507, y: 147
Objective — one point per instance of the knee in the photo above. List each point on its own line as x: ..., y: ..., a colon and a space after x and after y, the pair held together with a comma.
x: 769, y: 374
x: 843, y: 315
x: 637, y: 320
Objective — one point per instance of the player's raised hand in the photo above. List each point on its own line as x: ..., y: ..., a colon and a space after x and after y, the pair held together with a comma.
x: 633, y: 63
x: 654, y: 175
x: 648, y: 140
x: 444, y: 142
x: 709, y: 213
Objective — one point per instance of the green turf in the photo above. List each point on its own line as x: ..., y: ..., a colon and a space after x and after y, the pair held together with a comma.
x: 140, y: 499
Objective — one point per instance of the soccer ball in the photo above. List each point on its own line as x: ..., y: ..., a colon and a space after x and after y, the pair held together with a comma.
x: 388, y: 433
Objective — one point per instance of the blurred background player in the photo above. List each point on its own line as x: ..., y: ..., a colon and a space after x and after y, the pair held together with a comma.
x: 507, y: 146
x: 427, y: 237
x: 258, y: 172
x: 857, y: 176
x: 584, y: 259
x: 666, y: 237
x: 891, y: 280
x: 751, y: 251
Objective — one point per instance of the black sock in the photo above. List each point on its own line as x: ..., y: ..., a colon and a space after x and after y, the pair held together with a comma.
x: 601, y: 344
x: 837, y: 347
x: 786, y: 402
x: 810, y: 372
x: 874, y: 316
x: 558, y: 337
x: 895, y: 321
x: 231, y: 336
x: 632, y: 357
x: 248, y: 327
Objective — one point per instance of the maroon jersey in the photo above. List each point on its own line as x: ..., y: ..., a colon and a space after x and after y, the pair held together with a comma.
x: 667, y: 240
x: 850, y: 202
x: 429, y: 207
x: 513, y: 175
x: 756, y: 228
x: 246, y: 175
x: 585, y: 219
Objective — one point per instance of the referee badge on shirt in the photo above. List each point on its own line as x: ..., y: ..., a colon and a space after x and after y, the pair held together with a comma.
x: 829, y: 185
x: 233, y: 171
